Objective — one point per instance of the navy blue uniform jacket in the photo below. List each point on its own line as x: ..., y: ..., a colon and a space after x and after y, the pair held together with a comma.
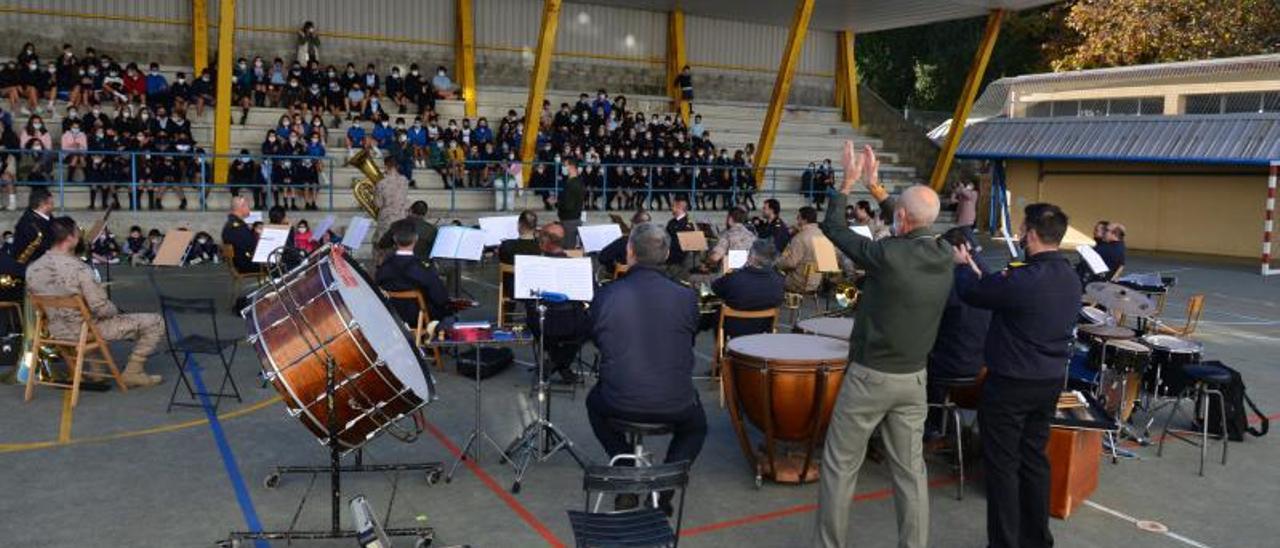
x: 1034, y: 309
x: 644, y: 324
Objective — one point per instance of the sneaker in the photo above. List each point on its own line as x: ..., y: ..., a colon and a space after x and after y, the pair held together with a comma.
x: 26, y: 111
x: 140, y: 380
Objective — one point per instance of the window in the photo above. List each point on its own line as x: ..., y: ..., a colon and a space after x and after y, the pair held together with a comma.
x: 1066, y: 109
x: 1271, y: 101
x: 1233, y: 103
x: 1123, y: 107
x: 1040, y: 110
x: 1204, y: 104
x: 1149, y: 106
x: 1242, y: 102
x: 1129, y: 106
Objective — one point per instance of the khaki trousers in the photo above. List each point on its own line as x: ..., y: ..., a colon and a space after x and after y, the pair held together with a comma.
x: 895, y: 403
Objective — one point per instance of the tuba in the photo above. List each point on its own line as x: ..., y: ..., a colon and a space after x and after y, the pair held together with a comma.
x: 363, y: 189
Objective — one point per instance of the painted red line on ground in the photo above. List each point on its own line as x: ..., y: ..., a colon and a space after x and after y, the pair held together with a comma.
x: 493, y: 486
x: 798, y: 509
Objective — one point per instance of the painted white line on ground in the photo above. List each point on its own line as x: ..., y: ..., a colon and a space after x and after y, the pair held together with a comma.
x: 1133, y: 520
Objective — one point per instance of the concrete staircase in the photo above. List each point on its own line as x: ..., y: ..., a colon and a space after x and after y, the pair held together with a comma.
x: 806, y: 134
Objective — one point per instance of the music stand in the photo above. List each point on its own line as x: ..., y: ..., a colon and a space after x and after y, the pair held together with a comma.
x: 541, y: 439
x: 276, y: 276
x: 478, y: 436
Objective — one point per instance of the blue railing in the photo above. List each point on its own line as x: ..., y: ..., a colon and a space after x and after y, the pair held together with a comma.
x: 135, y: 173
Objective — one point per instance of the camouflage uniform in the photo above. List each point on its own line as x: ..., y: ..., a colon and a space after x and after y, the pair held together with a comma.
x: 391, y: 197
x: 58, y: 273
x: 736, y: 238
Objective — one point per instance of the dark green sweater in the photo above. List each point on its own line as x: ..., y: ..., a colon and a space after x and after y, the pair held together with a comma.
x: 908, y: 280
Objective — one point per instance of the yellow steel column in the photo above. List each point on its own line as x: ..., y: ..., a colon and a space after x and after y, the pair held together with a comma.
x: 465, y: 54
x: 199, y: 36
x: 538, y: 84
x: 222, y: 112
x: 677, y: 58
x: 847, y: 79
x: 965, y: 103
x: 782, y: 86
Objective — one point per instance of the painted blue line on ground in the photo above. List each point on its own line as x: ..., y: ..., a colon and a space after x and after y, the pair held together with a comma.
x: 219, y: 437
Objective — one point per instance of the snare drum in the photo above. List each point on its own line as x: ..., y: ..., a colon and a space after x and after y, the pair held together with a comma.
x: 1169, y: 355
x: 326, y: 307
x: 786, y: 385
x: 836, y: 328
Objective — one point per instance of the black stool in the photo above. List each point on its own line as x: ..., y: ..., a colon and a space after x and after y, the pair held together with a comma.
x: 1207, y: 380
x: 951, y: 416
x: 635, y: 433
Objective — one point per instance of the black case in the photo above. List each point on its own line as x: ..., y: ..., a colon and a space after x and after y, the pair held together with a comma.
x: 492, y: 361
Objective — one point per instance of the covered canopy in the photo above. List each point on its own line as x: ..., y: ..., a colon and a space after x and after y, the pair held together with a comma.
x: 858, y: 15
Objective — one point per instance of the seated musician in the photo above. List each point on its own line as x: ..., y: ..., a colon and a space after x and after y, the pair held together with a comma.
x: 1111, y: 247
x: 60, y: 272
x: 403, y: 271
x: 241, y: 237
x: 756, y: 286
x: 644, y: 325
x: 417, y: 219
x: 962, y: 335
x: 736, y: 237
x: 567, y: 323
x: 800, y: 252
x: 615, y: 253
x: 526, y: 244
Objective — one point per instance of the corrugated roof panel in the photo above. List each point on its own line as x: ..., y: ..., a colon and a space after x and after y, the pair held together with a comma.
x: 1232, y: 139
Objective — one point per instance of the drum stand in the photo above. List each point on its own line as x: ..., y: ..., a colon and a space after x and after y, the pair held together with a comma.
x: 542, y: 439
x: 1123, y: 428
x: 335, y: 467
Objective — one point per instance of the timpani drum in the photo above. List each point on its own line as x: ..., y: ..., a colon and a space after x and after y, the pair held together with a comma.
x: 785, y: 385
x: 326, y: 307
x: 836, y: 328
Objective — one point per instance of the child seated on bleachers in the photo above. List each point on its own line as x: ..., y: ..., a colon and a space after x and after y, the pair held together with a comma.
x: 134, y: 244
x: 302, y: 237
x: 202, y: 250
x: 105, y: 249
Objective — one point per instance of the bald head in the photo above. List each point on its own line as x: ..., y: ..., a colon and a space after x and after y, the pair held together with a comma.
x: 240, y: 206
x: 552, y: 237
x: 918, y: 206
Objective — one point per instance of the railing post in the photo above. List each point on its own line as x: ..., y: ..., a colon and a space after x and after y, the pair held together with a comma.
x: 133, y: 182
x: 62, y: 178
x: 332, y: 183
x: 204, y: 179
x: 604, y: 186
x: 773, y: 183
x: 648, y: 193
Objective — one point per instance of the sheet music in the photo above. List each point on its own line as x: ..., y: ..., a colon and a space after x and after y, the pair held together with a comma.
x: 497, y: 229
x: 692, y: 240
x: 1091, y: 257
x: 1147, y: 279
x: 273, y: 237
x: 322, y: 228
x: 459, y: 242
x: 572, y: 277
x: 737, y: 258
x: 173, y: 249
x: 357, y: 229
x: 253, y: 217
x: 862, y: 230
x: 824, y: 253
x: 596, y: 237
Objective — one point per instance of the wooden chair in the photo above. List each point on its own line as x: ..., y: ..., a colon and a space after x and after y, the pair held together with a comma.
x: 1195, y: 307
x: 507, y: 305
x: 424, y: 318
x: 237, y: 277
x: 74, y: 352
x: 727, y: 312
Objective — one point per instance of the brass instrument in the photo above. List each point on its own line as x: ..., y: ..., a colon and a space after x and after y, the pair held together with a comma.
x: 31, y: 248
x: 363, y: 189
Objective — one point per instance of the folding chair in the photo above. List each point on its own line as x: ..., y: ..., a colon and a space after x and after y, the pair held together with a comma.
x: 727, y: 312
x: 76, y: 352
x: 795, y: 301
x: 645, y: 526
x: 187, y: 342
x: 424, y: 318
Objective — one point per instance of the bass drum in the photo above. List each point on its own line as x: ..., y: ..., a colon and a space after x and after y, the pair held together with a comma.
x: 327, y: 307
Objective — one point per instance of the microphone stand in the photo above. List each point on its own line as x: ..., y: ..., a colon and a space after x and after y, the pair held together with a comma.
x: 541, y: 439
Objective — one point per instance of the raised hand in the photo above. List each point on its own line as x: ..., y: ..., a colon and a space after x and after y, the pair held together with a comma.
x: 853, y: 168
x: 871, y: 166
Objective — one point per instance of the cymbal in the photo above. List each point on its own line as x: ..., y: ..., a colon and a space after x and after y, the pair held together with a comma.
x: 1120, y: 299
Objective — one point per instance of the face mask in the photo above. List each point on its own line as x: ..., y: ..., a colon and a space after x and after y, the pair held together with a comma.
x: 245, y: 159
x: 37, y: 125
x: 302, y: 228
x: 201, y: 241
x: 413, y: 72
x: 332, y: 74
x: 73, y: 114
x: 8, y: 240
x: 182, y: 80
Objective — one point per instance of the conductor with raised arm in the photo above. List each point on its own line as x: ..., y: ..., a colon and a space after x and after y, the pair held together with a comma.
x: 908, y: 279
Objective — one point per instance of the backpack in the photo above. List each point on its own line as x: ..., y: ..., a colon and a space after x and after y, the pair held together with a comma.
x: 1235, y: 399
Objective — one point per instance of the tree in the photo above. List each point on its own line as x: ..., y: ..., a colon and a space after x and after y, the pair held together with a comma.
x: 1108, y: 33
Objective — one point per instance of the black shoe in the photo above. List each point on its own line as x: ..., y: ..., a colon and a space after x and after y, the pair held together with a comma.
x: 664, y: 503
x: 568, y: 376
x: 625, y: 501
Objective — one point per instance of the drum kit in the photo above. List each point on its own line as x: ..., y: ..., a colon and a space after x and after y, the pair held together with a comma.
x: 1124, y: 367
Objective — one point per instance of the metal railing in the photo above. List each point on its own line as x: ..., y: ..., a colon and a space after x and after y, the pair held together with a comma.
x: 137, y: 173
